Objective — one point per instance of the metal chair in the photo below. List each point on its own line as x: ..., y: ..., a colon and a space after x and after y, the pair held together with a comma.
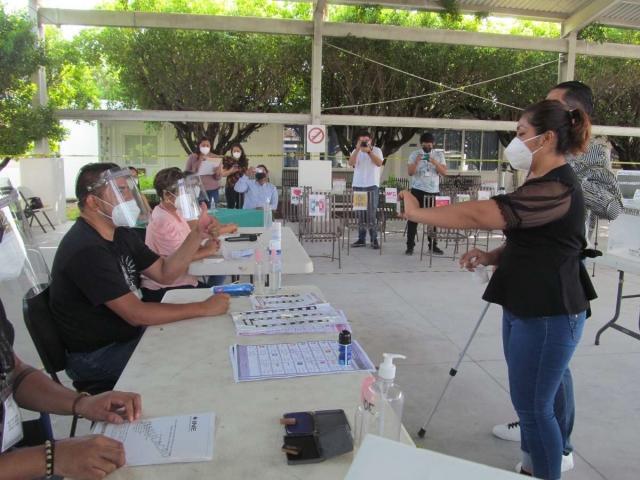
x: 324, y: 228
x: 389, y: 213
x: 368, y: 219
x: 291, y: 212
x: 42, y: 329
x: 32, y: 213
x: 442, y: 234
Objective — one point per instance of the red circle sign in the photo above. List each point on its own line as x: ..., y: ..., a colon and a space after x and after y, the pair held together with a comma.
x: 315, y: 135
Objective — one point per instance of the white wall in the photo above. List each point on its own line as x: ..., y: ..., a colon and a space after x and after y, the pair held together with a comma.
x: 80, y: 148
x: 12, y: 172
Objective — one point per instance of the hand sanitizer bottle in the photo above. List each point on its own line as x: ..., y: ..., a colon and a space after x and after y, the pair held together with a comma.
x: 382, y: 404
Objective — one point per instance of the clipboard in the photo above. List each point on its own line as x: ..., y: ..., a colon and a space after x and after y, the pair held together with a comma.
x: 208, y: 167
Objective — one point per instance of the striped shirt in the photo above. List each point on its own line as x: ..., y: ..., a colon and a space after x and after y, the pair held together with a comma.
x: 602, y: 195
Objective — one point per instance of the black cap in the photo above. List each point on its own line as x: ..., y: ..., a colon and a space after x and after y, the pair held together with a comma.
x: 345, y: 337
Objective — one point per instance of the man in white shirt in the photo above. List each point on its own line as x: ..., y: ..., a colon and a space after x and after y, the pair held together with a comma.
x: 367, y: 161
x: 425, y: 167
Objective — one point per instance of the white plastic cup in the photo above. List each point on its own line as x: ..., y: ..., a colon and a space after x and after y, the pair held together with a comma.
x: 480, y: 276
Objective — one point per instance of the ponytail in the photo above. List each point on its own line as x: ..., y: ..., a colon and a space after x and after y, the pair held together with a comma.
x: 579, y: 132
x: 571, y: 127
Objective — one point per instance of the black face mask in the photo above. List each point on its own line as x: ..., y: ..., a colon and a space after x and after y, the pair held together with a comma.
x: 426, y: 149
x: 260, y: 176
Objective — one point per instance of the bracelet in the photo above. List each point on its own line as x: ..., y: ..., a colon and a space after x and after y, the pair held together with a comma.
x: 49, y: 449
x: 75, y: 403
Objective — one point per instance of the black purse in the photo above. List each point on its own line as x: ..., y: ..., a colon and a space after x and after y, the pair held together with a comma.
x: 35, y: 203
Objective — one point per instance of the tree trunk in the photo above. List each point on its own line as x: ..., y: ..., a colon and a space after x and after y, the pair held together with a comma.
x: 222, y: 135
x: 387, y: 139
x: 5, y: 161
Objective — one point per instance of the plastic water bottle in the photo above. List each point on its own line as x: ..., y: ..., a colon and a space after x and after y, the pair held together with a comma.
x: 276, y: 232
x: 275, y: 269
x: 258, y: 273
x: 382, y: 404
x: 266, y: 214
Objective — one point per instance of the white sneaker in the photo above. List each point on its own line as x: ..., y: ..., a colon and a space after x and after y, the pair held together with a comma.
x: 508, y: 431
x: 567, y: 463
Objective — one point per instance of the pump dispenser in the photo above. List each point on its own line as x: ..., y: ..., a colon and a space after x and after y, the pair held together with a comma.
x: 382, y: 404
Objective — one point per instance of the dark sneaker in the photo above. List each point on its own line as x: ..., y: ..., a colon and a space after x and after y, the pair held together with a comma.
x: 437, y: 251
x: 375, y: 245
x: 358, y: 244
x: 409, y: 251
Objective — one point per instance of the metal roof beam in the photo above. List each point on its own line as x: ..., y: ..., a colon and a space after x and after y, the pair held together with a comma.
x: 305, y: 119
x: 587, y: 15
x: 182, y: 21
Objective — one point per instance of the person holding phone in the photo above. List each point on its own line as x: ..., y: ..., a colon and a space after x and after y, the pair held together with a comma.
x: 195, y: 162
x: 234, y: 167
x: 367, y: 161
x: 257, y: 191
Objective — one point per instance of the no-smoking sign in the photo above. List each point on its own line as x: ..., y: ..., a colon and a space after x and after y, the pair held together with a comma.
x: 316, y: 135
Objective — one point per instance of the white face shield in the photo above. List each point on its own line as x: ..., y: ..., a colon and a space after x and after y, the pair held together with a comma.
x: 23, y: 270
x: 187, y: 194
x: 116, y: 188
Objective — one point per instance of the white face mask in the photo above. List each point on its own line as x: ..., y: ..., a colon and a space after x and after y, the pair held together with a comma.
x: 204, y: 150
x: 124, y: 214
x: 237, y: 154
x: 519, y: 155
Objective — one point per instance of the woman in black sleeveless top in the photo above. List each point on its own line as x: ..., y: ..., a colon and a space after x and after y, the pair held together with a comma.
x: 540, y: 281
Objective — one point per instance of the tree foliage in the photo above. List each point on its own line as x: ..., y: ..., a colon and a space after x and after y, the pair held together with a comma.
x: 21, y: 55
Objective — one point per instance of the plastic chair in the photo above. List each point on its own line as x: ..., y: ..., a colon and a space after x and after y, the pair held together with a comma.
x: 42, y: 329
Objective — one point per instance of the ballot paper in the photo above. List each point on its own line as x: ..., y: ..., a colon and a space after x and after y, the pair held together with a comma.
x: 285, y: 360
x: 208, y: 167
x: 157, y: 441
x: 297, y: 329
x: 266, y: 321
x: 285, y: 301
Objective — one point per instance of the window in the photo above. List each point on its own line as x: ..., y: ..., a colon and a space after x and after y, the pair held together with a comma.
x: 293, y: 145
x: 141, y: 150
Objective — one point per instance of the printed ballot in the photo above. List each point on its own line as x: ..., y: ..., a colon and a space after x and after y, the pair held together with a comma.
x: 285, y: 301
x: 158, y: 441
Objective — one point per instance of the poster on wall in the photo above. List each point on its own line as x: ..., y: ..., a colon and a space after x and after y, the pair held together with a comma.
x: 391, y: 195
x: 296, y: 195
x: 317, y: 205
x: 359, y: 200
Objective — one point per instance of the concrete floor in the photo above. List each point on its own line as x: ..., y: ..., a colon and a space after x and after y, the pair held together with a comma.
x: 399, y: 305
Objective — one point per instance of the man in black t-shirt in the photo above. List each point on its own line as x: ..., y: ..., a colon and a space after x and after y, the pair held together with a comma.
x: 92, y: 456
x: 95, y: 281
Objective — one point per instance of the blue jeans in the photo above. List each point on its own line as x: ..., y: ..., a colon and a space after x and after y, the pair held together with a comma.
x: 370, y: 215
x: 104, y: 365
x: 538, y: 351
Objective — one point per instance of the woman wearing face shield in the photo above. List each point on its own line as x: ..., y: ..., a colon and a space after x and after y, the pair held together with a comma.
x: 169, y: 228
x: 540, y: 281
x: 196, y: 160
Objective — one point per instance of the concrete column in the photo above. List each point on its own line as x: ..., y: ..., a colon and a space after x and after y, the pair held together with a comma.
x: 44, y: 178
x: 39, y: 78
x: 316, y: 69
x: 567, y: 61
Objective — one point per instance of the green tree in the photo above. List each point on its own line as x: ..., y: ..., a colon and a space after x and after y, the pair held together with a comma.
x: 21, y: 123
x: 184, y: 70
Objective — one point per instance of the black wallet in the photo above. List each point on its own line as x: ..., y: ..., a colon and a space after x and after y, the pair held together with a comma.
x: 319, y: 435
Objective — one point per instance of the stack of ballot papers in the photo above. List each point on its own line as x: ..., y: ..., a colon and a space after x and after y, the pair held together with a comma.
x: 286, y: 360
x: 322, y: 318
x: 158, y: 441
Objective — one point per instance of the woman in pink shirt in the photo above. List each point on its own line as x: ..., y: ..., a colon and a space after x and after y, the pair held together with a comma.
x: 166, y: 232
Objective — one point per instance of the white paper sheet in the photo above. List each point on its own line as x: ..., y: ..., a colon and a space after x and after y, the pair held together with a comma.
x: 285, y: 301
x: 269, y: 321
x: 158, y: 441
x: 208, y: 167
x: 286, y: 360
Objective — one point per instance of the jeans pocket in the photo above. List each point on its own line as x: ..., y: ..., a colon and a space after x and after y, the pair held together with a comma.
x: 574, y: 325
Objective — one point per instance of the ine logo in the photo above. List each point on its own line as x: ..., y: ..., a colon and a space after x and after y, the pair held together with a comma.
x: 193, y: 424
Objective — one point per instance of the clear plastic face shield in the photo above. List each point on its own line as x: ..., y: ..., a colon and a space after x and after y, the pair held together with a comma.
x: 187, y: 195
x: 23, y: 271
x: 116, y: 190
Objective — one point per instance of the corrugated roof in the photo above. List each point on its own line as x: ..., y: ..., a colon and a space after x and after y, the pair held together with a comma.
x: 615, y: 13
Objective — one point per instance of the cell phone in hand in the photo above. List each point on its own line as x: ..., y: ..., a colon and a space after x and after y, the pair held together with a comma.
x: 400, y: 207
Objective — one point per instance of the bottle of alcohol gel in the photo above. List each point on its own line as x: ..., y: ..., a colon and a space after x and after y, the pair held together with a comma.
x: 266, y: 214
x: 382, y: 404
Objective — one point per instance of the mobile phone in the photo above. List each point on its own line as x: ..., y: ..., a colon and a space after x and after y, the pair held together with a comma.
x: 400, y: 207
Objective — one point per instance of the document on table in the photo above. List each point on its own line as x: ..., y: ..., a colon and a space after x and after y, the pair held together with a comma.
x: 157, y: 441
x: 208, y: 167
x: 256, y: 322
x: 285, y: 301
x: 286, y: 360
